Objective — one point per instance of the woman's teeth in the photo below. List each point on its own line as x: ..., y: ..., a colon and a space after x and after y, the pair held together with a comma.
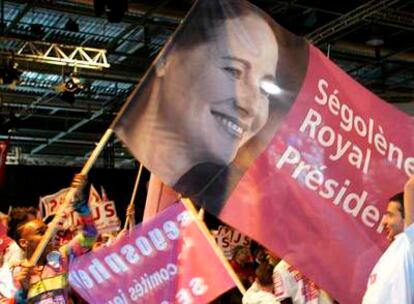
x: 231, y: 126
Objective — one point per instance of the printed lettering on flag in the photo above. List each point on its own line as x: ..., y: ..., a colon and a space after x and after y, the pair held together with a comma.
x: 159, y: 261
x: 260, y: 128
x: 325, y: 178
x: 227, y: 238
x: 103, y: 212
x: 50, y: 203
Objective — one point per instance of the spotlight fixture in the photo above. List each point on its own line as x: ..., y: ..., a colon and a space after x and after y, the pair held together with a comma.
x: 70, y: 88
x: 73, y: 85
x: 9, y: 74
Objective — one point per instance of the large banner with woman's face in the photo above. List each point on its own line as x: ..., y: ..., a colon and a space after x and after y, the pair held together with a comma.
x: 260, y: 128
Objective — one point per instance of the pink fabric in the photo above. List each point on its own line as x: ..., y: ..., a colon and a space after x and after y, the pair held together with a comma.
x: 316, y: 235
x: 163, y: 259
x: 159, y: 197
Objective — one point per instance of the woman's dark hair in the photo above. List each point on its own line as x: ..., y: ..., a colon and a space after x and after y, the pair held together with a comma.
x: 237, y: 249
x: 399, y: 198
x: 18, y: 217
x: 264, y: 274
x: 207, y: 16
x: 204, y: 21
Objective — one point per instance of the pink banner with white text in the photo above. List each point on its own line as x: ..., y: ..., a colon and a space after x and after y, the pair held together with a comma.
x: 324, y: 180
x: 160, y: 261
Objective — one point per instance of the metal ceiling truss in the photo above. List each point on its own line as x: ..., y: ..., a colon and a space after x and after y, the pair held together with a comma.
x: 16, y: 156
x: 349, y: 19
x: 395, y: 17
x: 52, y: 53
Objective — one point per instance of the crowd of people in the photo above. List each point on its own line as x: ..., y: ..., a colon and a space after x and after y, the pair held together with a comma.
x: 270, y: 280
x: 25, y: 278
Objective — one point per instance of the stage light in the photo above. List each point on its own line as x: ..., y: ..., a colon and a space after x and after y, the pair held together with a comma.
x: 70, y: 88
x: 270, y: 87
x: 9, y: 74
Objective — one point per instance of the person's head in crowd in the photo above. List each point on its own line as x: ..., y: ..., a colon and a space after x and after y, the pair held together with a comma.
x: 259, y: 254
x: 19, y: 216
x: 264, y: 274
x: 272, y: 258
x: 29, y: 235
x: 241, y: 255
x: 394, y: 216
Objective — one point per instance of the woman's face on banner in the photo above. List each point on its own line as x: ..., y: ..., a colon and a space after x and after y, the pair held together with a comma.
x: 212, y: 92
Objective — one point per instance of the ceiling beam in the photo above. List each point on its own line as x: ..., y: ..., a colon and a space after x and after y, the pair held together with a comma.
x: 347, y: 20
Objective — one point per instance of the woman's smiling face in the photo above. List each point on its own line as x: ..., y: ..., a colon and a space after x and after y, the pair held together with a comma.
x: 212, y: 93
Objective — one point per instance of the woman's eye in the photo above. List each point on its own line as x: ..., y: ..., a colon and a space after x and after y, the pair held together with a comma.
x: 233, y: 72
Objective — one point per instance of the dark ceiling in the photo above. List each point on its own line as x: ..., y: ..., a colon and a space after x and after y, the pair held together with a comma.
x: 372, y: 40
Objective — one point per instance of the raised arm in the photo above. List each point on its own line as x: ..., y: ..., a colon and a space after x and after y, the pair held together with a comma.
x: 86, y: 237
x: 409, y: 202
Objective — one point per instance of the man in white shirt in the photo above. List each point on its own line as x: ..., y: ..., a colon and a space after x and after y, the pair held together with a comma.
x: 261, y: 292
x: 391, y: 280
x: 292, y: 287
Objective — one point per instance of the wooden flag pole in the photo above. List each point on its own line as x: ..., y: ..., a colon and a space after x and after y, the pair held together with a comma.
x: 53, y: 226
x: 190, y: 207
x: 201, y: 213
x: 129, y: 221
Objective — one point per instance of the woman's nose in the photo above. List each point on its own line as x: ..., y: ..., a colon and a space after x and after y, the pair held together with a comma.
x: 248, y: 98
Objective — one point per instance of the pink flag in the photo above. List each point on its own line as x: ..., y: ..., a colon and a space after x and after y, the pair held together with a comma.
x: 160, y: 261
x: 317, y: 195
x: 159, y: 197
x: 260, y: 128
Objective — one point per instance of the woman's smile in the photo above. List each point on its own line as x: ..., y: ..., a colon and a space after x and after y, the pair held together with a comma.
x: 230, y: 124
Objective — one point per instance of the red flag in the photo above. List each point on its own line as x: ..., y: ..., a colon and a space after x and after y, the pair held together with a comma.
x: 159, y: 261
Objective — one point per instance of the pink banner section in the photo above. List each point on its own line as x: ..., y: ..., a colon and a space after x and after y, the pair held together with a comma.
x: 317, y: 195
x: 163, y: 260
x: 159, y: 197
